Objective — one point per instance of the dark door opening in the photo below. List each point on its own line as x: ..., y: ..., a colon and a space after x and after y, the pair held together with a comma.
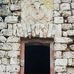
x: 37, y: 59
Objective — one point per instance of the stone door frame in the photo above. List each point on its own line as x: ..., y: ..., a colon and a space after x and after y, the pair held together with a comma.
x: 49, y: 42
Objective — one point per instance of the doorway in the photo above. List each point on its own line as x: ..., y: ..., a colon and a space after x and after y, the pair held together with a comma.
x: 36, y: 56
x: 37, y: 59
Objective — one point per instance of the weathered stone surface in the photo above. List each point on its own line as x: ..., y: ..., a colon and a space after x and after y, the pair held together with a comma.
x: 58, y: 20
x: 60, y: 62
x: 2, y: 39
x: 2, y: 53
x: 63, y: 40
x: 3, y: 25
x: 56, y: 6
x: 60, y: 68
x: 14, y: 7
x: 70, y: 32
x: 65, y: 6
x: 58, y: 54
x: 65, y: 33
x: 70, y: 70
x: 57, y: 1
x: 66, y: 26
x: 11, y: 19
x: 68, y: 1
x: 72, y: 47
x: 13, y: 39
x: 60, y: 47
x: 5, y: 61
x: 56, y: 13
x: 2, y: 67
x: 68, y: 54
x: 70, y: 62
x: 71, y: 19
x: 72, y: 5
x: 6, y: 32
x: 13, y: 53
x: 13, y: 68
x: 14, y: 61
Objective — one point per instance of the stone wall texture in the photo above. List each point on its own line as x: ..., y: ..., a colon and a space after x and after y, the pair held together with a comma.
x: 37, y: 18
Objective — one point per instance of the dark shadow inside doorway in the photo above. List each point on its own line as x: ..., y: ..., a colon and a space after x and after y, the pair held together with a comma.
x: 37, y: 59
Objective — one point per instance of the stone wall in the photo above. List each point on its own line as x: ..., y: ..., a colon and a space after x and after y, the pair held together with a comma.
x: 37, y: 18
x: 64, y: 41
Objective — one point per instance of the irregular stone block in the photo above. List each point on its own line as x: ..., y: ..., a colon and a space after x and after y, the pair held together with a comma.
x: 13, y: 68
x: 13, y: 53
x: 56, y: 13
x: 11, y: 19
x: 60, y: 68
x: 5, y: 61
x: 70, y: 32
x: 72, y: 5
x: 13, y: 39
x: 14, y: 61
x: 68, y: 54
x: 71, y: 19
x: 56, y: 6
x: 58, y: 20
x: 65, y: 6
x: 70, y: 62
x: 70, y: 71
x: 57, y: 1
x: 72, y: 47
x: 2, y: 54
x: 15, y: 7
x: 67, y: 1
x: 2, y: 68
x: 2, y: 39
x: 6, y: 32
x: 3, y: 25
x: 60, y: 47
x: 58, y: 54
x: 61, y: 62
x: 66, y: 26
x: 63, y: 40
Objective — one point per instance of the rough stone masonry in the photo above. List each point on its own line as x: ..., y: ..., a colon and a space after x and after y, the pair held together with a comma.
x: 37, y: 18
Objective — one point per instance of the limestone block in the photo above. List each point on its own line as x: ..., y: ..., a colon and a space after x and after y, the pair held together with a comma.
x: 70, y: 62
x: 58, y: 20
x: 13, y: 53
x: 66, y: 26
x: 2, y: 67
x: 58, y: 32
x: 14, y: 61
x: 57, y: 1
x: 13, y: 68
x: 58, y: 54
x: 65, y: 33
x: 56, y: 6
x: 1, y: 20
x: 63, y: 40
x: 71, y: 19
x: 61, y: 62
x: 14, y: 7
x: 60, y: 47
x: 70, y: 71
x: 2, y: 39
x: 11, y: 19
x: 72, y: 5
x: 13, y: 39
x: 6, y: 32
x: 2, y: 53
x: 60, y: 69
x: 72, y: 47
x: 7, y: 46
x: 15, y: 46
x: 4, y: 61
x: 68, y: 54
x: 3, y: 25
x: 73, y: 12
x: 70, y: 32
x: 65, y: 6
x: 56, y: 13
x: 67, y: 1
x: 5, y: 1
